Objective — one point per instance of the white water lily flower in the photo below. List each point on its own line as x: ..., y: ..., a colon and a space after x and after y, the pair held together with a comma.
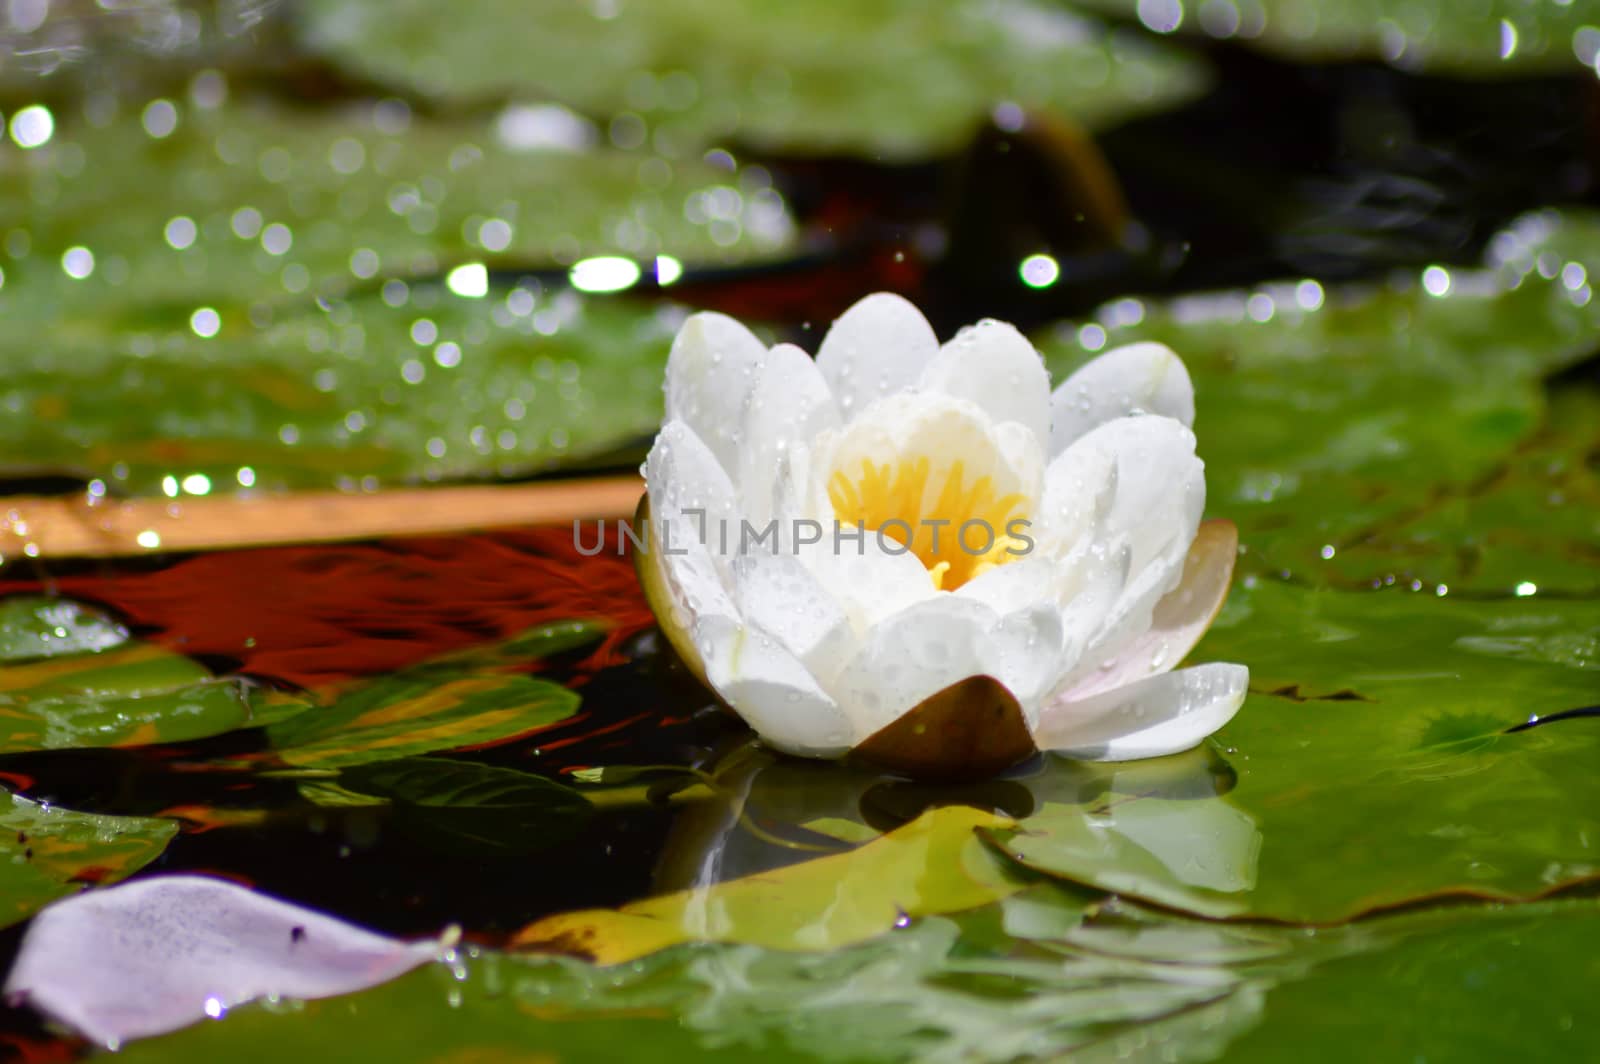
x: 921, y: 553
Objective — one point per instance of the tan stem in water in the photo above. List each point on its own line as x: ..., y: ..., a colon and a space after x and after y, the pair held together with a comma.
x: 74, y: 528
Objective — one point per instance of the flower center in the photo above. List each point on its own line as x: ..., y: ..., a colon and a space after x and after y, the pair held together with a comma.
x: 958, y: 525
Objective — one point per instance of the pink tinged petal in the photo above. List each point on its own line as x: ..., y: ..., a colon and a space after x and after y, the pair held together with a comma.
x: 1144, y: 378
x: 994, y: 365
x: 154, y: 955
x: 1179, y: 619
x: 877, y: 347
x: 778, y: 593
x: 774, y: 692
x: 710, y: 370
x: 1152, y: 717
x: 913, y: 655
x: 788, y: 406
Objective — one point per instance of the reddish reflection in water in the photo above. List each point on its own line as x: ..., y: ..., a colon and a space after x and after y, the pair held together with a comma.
x: 319, y: 614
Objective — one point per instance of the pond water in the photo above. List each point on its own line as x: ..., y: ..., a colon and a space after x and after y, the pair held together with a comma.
x: 1374, y: 253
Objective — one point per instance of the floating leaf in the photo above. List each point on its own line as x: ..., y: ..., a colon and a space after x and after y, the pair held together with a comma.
x: 1326, y: 417
x: 418, y: 712
x: 243, y: 205
x: 1027, y: 978
x: 153, y: 956
x: 933, y: 865
x: 464, y: 806
x: 886, y: 78
x: 1373, y: 768
x: 1499, y: 38
x: 46, y: 851
x: 133, y: 695
x: 33, y: 628
x: 374, y: 390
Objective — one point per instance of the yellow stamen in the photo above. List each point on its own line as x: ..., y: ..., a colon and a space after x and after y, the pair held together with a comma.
x: 894, y: 499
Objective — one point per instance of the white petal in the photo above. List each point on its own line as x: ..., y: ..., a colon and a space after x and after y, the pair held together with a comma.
x: 709, y: 372
x: 994, y: 365
x: 912, y: 655
x: 877, y: 347
x: 871, y: 579
x: 782, y: 596
x: 788, y: 406
x: 1079, y: 488
x: 774, y: 693
x: 691, y: 504
x: 1158, y: 715
x: 1017, y: 584
x: 1179, y: 619
x: 1160, y: 487
x: 1026, y: 659
x: 1139, y: 378
x: 154, y: 955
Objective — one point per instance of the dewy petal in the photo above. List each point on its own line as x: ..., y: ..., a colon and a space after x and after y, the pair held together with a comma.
x: 681, y: 474
x: 709, y: 372
x: 870, y: 584
x: 773, y: 691
x: 994, y: 365
x: 1160, y: 488
x: 913, y: 655
x: 1143, y: 378
x: 1179, y: 619
x: 778, y: 593
x: 154, y: 955
x: 1153, y: 717
x: 877, y: 347
x: 788, y: 406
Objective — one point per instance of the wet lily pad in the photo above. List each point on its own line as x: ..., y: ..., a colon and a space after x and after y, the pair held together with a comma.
x: 1022, y: 979
x: 32, y: 627
x: 933, y: 865
x: 47, y: 852
x: 132, y: 695
x: 416, y: 384
x: 1327, y: 417
x: 1373, y: 765
x: 458, y: 701
x: 886, y: 79
x: 1500, y: 38
x: 244, y: 204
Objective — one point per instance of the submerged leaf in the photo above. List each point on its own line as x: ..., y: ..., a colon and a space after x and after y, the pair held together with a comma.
x: 153, y: 956
x: 468, y: 807
x: 46, y: 851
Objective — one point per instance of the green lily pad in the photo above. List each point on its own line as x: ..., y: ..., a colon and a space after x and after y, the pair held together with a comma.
x: 1499, y: 38
x: 1373, y: 765
x: 413, y: 385
x: 891, y: 79
x: 32, y: 628
x: 47, y: 852
x: 460, y: 806
x: 242, y: 205
x: 1027, y: 978
x: 933, y: 865
x: 419, y: 711
x: 132, y: 695
x: 1328, y: 418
